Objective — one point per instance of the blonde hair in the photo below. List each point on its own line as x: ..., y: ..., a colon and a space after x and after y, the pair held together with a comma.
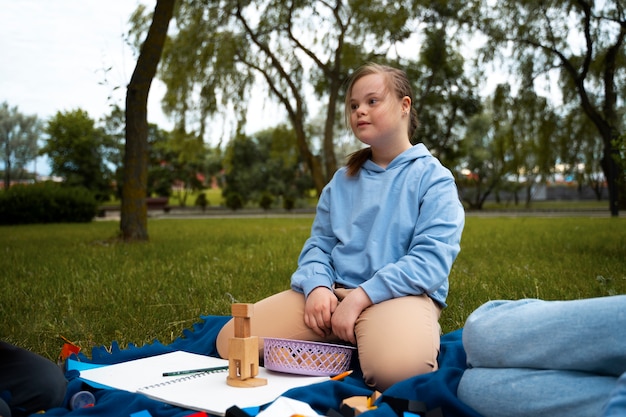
x: 398, y: 84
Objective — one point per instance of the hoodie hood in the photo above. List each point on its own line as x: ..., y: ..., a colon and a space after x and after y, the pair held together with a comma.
x: 411, y: 154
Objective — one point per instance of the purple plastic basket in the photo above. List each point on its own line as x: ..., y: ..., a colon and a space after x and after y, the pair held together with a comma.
x: 306, y: 358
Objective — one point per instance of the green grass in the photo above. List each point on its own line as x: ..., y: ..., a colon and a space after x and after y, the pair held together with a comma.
x: 77, y: 281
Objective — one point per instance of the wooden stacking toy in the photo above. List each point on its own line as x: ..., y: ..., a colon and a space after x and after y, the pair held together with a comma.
x: 243, y: 351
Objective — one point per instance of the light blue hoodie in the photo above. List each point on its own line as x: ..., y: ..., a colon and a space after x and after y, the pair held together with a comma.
x: 393, y: 232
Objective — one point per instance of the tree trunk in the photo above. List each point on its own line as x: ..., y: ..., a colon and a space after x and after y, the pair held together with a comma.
x: 611, y: 171
x: 134, y: 223
x: 7, y: 168
x: 330, y: 162
x: 310, y: 159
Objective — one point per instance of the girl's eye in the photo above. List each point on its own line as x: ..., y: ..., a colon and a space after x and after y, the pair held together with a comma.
x: 373, y: 101
x: 353, y: 106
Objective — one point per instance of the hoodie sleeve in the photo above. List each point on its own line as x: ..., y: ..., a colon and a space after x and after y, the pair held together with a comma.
x: 315, y: 266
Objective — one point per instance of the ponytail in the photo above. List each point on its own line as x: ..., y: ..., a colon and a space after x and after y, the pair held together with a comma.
x: 356, y: 160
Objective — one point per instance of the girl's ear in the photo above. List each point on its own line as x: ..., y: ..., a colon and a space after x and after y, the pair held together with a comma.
x: 406, y: 104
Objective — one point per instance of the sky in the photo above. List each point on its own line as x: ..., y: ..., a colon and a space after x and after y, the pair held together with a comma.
x: 63, y: 55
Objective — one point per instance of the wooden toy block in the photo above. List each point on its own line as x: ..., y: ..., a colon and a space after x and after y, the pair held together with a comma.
x: 243, y: 351
x: 242, y: 314
x: 242, y: 310
x: 243, y: 362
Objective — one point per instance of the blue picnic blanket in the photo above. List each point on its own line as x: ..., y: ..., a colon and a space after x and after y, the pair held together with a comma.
x: 436, y: 390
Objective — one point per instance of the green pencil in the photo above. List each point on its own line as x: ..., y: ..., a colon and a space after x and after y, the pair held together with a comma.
x: 195, y: 371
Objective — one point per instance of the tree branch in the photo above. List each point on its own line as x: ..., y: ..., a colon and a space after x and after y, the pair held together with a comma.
x: 275, y: 64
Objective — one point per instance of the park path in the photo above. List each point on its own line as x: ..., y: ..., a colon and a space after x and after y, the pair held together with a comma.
x: 218, y: 213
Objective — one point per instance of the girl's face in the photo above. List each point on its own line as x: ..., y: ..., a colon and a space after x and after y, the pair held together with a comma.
x: 377, y: 117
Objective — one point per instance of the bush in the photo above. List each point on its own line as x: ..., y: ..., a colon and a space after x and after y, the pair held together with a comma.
x: 289, y: 202
x: 202, y: 201
x: 234, y: 201
x: 47, y: 203
x: 266, y: 200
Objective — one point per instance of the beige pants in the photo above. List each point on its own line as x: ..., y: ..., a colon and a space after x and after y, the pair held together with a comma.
x: 396, y: 339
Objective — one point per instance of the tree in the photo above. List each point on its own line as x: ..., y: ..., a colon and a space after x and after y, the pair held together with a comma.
x: 483, y: 166
x: 161, y: 173
x: 114, y: 127
x: 302, y: 51
x: 534, y: 128
x: 580, y: 150
x: 511, y: 146
x: 185, y: 158
x: 18, y: 140
x: 584, y: 41
x: 287, y: 177
x: 445, y: 97
x: 76, y: 148
x: 245, y: 171
x: 133, y: 223
x: 265, y: 167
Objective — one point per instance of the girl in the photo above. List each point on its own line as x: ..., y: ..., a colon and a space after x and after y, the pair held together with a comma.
x: 374, y: 271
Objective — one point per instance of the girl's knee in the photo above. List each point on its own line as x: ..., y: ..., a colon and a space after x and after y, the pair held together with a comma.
x: 223, y: 339
x: 382, y: 372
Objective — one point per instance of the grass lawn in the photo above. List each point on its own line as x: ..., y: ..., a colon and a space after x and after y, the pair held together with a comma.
x: 77, y: 281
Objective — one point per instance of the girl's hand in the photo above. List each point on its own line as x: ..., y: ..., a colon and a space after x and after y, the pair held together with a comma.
x: 346, y: 313
x: 318, y: 310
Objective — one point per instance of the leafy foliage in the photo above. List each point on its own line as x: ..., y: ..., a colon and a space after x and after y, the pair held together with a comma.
x: 234, y: 200
x: 263, y: 167
x: 18, y: 141
x: 582, y: 43
x: 77, y: 151
x: 446, y: 97
x: 301, y: 51
x: 46, y: 203
x: 202, y: 201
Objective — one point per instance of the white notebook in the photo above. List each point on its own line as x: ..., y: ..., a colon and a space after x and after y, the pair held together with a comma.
x: 206, y: 391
